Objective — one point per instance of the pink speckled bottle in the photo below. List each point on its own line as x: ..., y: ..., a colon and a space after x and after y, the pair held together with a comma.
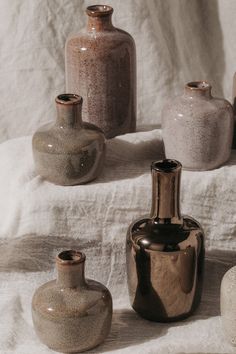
x: 198, y: 128
x: 101, y: 67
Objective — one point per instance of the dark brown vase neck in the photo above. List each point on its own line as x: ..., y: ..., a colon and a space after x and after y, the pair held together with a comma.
x: 70, y: 268
x: 165, y: 191
x: 99, y: 18
x: 198, y: 89
x: 69, y: 107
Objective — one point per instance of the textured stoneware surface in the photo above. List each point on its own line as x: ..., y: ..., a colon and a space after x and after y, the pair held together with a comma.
x: 198, y: 128
x: 101, y: 67
x: 69, y: 151
x: 72, y: 314
x: 165, y: 253
x: 228, y: 304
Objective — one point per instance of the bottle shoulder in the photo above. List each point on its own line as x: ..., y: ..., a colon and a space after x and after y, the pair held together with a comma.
x: 54, y: 139
x: 88, y: 40
x: 184, y: 107
x: 52, y: 300
x: 165, y: 237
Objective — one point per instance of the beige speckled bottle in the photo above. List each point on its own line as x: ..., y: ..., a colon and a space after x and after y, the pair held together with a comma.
x: 101, y: 67
x: 228, y: 304
x: 72, y: 314
x: 69, y: 151
x: 198, y: 128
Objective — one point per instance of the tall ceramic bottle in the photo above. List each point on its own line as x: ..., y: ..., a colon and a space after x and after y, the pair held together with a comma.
x: 165, y: 252
x: 198, y: 128
x: 101, y: 67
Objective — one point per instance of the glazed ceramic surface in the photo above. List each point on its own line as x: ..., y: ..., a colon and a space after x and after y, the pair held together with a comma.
x: 198, y: 128
x: 69, y: 151
x: 228, y: 304
x: 165, y: 253
x: 72, y: 314
x: 101, y: 67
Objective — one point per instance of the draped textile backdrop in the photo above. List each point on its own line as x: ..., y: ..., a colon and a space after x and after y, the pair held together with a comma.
x: 177, y: 41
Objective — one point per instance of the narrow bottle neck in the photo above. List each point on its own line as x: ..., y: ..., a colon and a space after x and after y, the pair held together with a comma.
x: 165, y: 196
x: 69, y: 111
x: 197, y: 89
x: 69, y: 116
x: 71, y: 276
x: 99, y: 24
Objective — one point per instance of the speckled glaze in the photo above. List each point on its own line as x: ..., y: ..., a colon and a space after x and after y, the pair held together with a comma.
x: 228, y: 304
x: 198, y: 128
x: 69, y: 151
x: 72, y: 314
x: 101, y: 67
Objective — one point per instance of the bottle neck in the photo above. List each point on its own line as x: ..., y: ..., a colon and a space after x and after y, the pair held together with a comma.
x: 166, y: 176
x: 199, y: 89
x: 99, y: 18
x: 69, y: 108
x: 70, y: 270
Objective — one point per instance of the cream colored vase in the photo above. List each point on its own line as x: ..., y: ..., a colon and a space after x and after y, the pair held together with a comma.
x: 228, y: 304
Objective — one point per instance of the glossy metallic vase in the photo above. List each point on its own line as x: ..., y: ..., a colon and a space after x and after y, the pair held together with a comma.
x: 165, y: 253
x: 101, y: 67
x: 69, y: 151
x: 72, y: 314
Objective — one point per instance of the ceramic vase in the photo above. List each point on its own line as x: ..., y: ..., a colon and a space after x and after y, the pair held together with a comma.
x: 165, y: 253
x: 72, y: 314
x: 234, y: 109
x: 198, y: 128
x: 69, y: 151
x: 228, y: 304
x: 101, y: 67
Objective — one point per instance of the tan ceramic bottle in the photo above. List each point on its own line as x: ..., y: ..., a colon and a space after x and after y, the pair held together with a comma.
x: 165, y: 253
x: 72, y: 314
x: 69, y: 151
x: 101, y: 67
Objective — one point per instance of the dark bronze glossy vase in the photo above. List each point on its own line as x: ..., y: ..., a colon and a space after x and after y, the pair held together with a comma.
x: 165, y: 253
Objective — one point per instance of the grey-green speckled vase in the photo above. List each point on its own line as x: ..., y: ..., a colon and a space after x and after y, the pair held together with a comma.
x: 72, y: 314
x: 69, y: 151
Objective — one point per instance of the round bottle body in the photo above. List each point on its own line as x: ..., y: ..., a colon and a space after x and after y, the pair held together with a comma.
x: 198, y: 128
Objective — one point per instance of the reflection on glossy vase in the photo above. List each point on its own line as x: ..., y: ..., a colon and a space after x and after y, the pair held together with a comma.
x: 101, y: 67
x: 72, y: 314
x: 165, y: 253
x: 69, y: 151
x: 228, y: 304
x: 198, y: 128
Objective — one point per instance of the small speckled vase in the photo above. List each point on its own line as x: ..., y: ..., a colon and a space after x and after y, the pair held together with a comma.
x: 72, y: 314
x: 165, y: 253
x: 198, y: 128
x: 101, y: 67
x: 69, y: 151
x: 228, y: 304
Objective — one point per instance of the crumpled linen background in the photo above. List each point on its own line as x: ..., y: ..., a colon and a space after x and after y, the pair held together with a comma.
x: 39, y: 219
x: 177, y: 42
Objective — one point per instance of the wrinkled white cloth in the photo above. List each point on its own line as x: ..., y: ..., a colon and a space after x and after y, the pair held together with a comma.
x: 177, y: 42
x: 39, y: 219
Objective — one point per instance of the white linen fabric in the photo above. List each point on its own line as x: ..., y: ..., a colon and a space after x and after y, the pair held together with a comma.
x: 177, y: 42
x: 39, y: 219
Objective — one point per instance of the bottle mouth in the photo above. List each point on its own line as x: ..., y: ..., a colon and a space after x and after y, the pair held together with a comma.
x: 70, y: 257
x: 99, y: 10
x: 69, y: 99
x: 166, y: 165
x: 198, y: 85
